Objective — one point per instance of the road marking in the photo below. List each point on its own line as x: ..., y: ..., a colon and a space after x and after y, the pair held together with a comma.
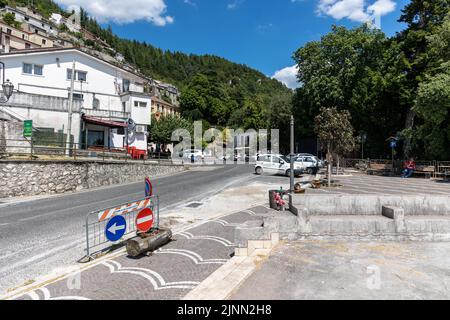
x: 220, y: 240
x: 153, y: 277
x: 191, y: 255
x: 119, y: 253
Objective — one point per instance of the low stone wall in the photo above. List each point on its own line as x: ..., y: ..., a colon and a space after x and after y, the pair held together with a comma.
x: 26, y: 178
x: 372, y: 204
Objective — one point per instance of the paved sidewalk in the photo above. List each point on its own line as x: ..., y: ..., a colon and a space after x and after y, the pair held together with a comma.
x: 367, y: 184
x: 170, y: 273
x: 351, y: 270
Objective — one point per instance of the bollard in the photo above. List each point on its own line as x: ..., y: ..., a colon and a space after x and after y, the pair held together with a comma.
x: 140, y: 245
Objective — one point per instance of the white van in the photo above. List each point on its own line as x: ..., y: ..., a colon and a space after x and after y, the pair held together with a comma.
x: 275, y: 164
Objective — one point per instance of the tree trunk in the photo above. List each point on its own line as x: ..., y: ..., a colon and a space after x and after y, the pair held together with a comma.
x: 330, y: 165
x: 338, y: 164
x: 409, y: 124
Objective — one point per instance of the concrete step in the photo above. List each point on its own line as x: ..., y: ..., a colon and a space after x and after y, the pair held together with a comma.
x: 351, y: 224
x: 427, y: 224
x: 372, y: 225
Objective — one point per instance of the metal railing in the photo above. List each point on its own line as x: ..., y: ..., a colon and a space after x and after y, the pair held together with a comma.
x: 57, y: 149
x: 364, y: 164
x: 96, y: 222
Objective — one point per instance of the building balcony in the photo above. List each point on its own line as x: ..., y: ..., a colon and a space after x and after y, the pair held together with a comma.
x: 42, y: 102
x: 107, y: 114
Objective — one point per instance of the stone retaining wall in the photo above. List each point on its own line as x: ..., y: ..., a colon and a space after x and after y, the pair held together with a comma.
x: 27, y: 178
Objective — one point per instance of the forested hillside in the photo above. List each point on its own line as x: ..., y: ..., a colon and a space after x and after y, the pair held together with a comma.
x: 215, y: 90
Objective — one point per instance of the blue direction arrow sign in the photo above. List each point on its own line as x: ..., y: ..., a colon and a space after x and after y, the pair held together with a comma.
x: 115, y: 228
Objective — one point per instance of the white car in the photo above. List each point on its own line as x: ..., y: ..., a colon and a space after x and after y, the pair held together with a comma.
x: 309, y: 163
x: 187, y: 154
x: 275, y: 164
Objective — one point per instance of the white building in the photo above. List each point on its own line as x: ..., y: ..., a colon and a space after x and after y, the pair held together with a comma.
x: 36, y: 23
x: 71, y: 23
x: 105, y: 97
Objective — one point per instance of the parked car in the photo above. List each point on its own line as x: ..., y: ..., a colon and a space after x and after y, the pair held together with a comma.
x: 309, y: 160
x: 275, y: 164
x: 187, y: 154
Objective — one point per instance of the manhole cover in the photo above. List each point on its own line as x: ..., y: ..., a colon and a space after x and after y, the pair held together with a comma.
x: 194, y: 205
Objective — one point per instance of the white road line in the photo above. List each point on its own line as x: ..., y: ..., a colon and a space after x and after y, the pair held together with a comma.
x: 153, y: 277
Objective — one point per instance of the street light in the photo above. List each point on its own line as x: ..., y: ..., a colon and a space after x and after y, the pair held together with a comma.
x: 8, y: 89
x: 7, y: 86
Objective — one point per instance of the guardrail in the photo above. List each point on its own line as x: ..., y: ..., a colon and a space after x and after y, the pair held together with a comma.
x: 97, y: 221
x: 58, y: 149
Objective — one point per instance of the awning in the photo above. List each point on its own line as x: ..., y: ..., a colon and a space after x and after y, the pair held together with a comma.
x: 105, y: 123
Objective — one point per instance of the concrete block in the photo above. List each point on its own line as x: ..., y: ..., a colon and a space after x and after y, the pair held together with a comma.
x: 283, y: 223
x: 396, y: 213
x: 275, y: 239
x: 267, y: 244
x: 303, y: 223
x: 241, y: 252
x: 248, y: 231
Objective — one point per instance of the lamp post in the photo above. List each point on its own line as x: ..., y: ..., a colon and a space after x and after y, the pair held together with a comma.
x: 7, y: 86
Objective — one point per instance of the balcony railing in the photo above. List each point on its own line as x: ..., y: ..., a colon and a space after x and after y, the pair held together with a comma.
x: 106, y: 114
x: 36, y: 101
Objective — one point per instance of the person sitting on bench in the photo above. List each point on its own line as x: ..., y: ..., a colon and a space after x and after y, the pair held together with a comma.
x: 410, y: 167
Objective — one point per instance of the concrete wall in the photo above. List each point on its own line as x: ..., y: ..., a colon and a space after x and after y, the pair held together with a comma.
x: 372, y: 204
x: 10, y: 132
x: 26, y: 178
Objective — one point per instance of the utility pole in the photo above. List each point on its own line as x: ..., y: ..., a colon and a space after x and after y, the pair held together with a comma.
x: 292, y: 155
x: 69, y: 122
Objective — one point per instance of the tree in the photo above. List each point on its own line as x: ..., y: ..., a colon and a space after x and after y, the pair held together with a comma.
x: 335, y: 133
x: 279, y: 117
x: 10, y: 20
x: 422, y: 18
x: 432, y: 103
x: 356, y: 70
x: 161, y: 130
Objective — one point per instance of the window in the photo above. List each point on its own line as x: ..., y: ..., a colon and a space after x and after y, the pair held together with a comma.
x: 95, y: 103
x: 8, y: 31
x: 125, y: 85
x: 27, y: 19
x: 27, y: 46
x: 124, y: 107
x: 140, y: 104
x: 38, y: 70
x: 79, y: 75
x: 82, y: 76
x: 76, y: 96
x: 27, y: 68
x: 44, y: 41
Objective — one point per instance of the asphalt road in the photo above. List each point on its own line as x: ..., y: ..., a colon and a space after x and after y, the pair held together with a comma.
x: 40, y: 235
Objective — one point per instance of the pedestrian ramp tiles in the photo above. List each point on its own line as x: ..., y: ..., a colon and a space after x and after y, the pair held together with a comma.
x: 168, y: 273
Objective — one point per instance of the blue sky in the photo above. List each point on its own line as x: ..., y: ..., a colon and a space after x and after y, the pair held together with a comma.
x: 262, y: 34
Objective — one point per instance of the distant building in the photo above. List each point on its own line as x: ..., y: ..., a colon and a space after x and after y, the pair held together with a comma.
x: 71, y: 23
x: 165, y: 99
x: 13, y: 39
x: 105, y: 96
x: 35, y: 22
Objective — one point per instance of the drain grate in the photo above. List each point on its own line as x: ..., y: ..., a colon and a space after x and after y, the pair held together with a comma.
x: 194, y: 205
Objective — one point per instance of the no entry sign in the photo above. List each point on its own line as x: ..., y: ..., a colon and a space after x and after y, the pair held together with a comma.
x: 144, y: 220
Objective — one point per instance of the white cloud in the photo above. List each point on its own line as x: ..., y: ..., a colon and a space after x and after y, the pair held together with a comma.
x: 382, y: 7
x: 234, y: 4
x: 288, y: 76
x: 122, y: 11
x: 356, y: 10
